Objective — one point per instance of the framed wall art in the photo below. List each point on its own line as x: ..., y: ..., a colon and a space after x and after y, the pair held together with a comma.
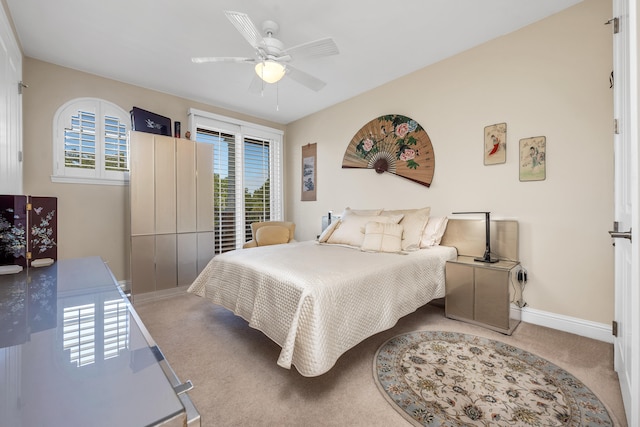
x: 309, y: 168
x: 533, y: 158
x: 495, y: 144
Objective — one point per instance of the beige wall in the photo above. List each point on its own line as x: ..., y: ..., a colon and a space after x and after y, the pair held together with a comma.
x: 550, y: 79
x: 93, y: 219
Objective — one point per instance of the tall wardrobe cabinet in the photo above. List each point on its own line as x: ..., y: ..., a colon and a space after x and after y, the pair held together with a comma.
x: 171, y: 191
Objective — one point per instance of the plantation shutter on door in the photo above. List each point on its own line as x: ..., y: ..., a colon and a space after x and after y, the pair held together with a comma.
x: 257, y: 185
x: 248, y: 178
x: 224, y: 188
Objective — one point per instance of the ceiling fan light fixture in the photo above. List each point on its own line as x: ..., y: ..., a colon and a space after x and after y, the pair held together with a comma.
x: 270, y: 71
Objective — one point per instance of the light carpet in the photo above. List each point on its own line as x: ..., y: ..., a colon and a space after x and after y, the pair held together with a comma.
x: 436, y: 378
x: 238, y: 383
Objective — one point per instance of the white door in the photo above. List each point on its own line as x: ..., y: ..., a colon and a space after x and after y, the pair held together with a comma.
x: 627, y: 272
x: 10, y: 110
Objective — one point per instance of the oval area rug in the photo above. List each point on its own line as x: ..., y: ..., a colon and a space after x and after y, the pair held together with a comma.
x: 453, y: 379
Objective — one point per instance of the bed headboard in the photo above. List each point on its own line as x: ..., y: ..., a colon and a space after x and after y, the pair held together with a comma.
x: 468, y: 237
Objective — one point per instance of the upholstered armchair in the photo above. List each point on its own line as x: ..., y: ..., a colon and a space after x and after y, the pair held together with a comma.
x: 270, y: 233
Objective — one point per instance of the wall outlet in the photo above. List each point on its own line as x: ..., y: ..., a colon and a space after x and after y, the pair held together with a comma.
x: 522, y: 276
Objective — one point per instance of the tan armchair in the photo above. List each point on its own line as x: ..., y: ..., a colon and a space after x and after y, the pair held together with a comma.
x: 270, y: 233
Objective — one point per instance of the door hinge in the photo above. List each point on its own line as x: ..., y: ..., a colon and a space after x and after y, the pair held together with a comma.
x: 614, y: 328
x: 21, y: 86
x: 611, y: 80
x: 616, y: 128
x: 616, y: 24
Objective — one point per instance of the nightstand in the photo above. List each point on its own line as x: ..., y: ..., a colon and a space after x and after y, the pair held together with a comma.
x: 481, y: 293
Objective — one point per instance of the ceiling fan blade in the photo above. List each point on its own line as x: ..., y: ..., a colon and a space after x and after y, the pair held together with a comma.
x: 305, y: 79
x: 204, y: 59
x: 256, y: 85
x: 314, y: 49
x: 280, y: 58
x: 246, y: 27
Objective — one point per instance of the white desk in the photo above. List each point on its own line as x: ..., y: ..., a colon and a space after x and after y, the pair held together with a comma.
x: 73, y: 352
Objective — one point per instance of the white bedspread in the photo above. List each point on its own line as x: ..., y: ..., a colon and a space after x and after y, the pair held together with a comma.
x: 318, y: 301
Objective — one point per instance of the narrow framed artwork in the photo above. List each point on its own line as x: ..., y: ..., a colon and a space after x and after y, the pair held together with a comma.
x: 495, y: 144
x: 309, y: 170
x: 533, y: 158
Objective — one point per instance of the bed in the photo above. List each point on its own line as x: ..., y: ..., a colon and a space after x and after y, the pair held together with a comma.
x: 318, y: 299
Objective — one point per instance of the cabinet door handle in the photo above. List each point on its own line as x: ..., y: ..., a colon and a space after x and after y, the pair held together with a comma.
x: 184, y: 387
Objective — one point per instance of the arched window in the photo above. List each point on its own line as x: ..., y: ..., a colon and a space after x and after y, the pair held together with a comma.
x: 90, y: 142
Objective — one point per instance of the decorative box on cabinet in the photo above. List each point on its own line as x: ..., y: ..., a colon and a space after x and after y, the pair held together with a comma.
x: 481, y: 293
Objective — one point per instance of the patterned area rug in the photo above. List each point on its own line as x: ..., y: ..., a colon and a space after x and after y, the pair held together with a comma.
x: 452, y: 379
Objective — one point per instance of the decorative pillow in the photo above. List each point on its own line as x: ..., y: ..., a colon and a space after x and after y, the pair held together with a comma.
x: 324, y: 236
x: 352, y: 227
x: 368, y: 212
x: 380, y: 237
x: 434, y: 231
x: 414, y: 222
x: 272, y: 235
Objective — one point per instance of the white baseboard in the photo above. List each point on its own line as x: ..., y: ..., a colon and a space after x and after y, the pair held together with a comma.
x: 573, y: 325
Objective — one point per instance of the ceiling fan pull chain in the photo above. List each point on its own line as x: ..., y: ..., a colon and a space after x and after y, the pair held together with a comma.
x: 277, y: 96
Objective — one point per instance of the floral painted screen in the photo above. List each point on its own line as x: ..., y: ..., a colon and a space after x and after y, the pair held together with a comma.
x: 13, y: 230
x: 43, y: 233
x: 28, y: 229
x: 395, y: 144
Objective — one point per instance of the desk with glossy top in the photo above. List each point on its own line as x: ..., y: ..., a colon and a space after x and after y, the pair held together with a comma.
x: 73, y: 352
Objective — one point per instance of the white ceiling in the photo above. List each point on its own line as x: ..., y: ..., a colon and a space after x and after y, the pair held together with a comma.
x: 149, y: 43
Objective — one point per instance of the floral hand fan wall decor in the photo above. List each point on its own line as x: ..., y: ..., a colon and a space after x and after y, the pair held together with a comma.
x: 395, y: 144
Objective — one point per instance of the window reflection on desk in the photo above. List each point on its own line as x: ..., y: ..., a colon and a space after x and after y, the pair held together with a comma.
x: 92, y: 330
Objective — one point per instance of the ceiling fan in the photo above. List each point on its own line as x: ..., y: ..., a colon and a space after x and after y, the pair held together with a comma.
x: 272, y: 58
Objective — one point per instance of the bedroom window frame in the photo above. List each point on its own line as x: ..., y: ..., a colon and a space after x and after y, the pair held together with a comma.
x: 106, y: 117
x: 246, y: 131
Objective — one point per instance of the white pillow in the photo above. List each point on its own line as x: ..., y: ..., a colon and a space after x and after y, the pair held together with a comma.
x: 324, y: 236
x: 380, y: 237
x: 352, y: 227
x: 349, y: 211
x: 434, y: 231
x: 414, y: 222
